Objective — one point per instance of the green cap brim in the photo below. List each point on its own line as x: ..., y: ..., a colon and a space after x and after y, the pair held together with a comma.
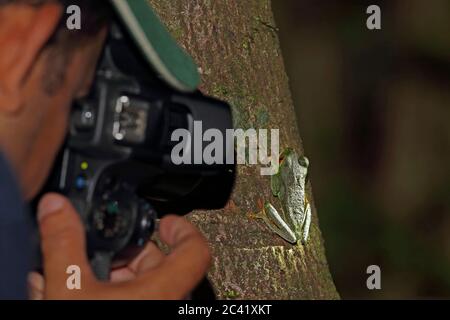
x: 160, y: 49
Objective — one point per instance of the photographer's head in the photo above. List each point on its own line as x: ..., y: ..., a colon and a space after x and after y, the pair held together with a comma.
x: 43, y: 67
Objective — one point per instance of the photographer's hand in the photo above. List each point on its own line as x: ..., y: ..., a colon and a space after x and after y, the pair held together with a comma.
x: 152, y: 275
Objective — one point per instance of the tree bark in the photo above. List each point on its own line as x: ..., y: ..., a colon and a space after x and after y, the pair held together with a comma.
x: 235, y: 44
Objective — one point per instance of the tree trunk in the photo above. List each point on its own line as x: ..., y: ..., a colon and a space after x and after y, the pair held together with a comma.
x: 235, y: 43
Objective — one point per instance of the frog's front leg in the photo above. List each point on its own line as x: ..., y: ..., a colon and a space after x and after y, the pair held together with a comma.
x: 306, y: 223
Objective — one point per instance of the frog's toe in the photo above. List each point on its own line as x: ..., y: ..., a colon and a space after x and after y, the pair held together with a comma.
x: 254, y: 215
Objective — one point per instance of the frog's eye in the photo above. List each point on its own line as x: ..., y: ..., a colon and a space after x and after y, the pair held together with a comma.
x: 303, y: 161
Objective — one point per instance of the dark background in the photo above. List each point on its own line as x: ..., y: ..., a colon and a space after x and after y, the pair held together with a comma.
x: 374, y: 111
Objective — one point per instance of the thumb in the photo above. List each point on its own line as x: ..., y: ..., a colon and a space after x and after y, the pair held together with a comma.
x: 62, y: 241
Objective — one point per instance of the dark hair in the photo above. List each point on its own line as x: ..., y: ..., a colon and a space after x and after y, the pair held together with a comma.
x: 95, y: 15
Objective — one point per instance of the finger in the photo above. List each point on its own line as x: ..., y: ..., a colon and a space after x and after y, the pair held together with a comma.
x: 190, y: 251
x: 150, y: 258
x: 36, y: 286
x: 184, y: 239
x: 122, y: 275
x: 62, y: 241
x: 183, y: 268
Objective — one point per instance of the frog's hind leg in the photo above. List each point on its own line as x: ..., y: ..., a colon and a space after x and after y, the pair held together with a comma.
x: 306, y: 223
x: 276, y: 223
x: 260, y: 213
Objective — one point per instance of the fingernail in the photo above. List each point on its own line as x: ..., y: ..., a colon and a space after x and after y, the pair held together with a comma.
x: 50, y: 204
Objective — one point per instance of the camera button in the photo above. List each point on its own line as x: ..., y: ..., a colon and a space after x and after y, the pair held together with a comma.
x: 81, y: 182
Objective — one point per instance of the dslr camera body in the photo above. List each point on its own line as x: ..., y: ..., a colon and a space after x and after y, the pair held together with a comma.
x: 115, y: 165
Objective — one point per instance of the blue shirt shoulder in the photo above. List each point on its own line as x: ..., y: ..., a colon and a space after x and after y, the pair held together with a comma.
x: 15, y: 233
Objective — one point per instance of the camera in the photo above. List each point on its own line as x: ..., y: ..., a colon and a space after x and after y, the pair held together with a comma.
x: 115, y: 165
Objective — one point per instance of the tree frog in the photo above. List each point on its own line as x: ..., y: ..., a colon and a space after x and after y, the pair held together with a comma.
x: 289, y: 186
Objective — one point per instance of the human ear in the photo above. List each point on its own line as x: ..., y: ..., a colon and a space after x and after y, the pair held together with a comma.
x: 24, y: 32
